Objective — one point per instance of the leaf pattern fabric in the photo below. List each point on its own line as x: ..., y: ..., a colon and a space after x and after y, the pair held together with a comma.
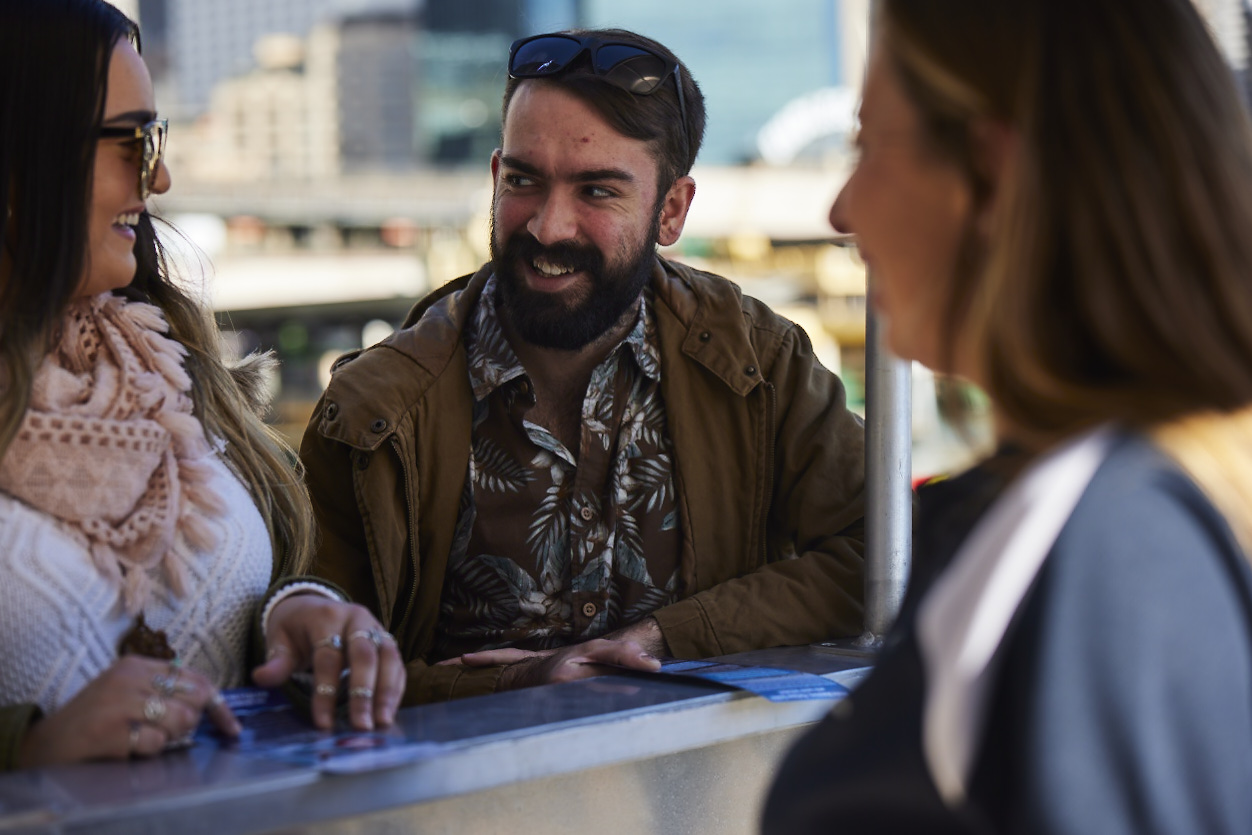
x: 556, y: 546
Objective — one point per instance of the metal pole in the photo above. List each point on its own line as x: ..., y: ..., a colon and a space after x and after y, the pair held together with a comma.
x: 888, y: 482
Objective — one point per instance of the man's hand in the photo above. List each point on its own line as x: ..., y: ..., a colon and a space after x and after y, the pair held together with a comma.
x: 628, y: 649
x: 646, y: 633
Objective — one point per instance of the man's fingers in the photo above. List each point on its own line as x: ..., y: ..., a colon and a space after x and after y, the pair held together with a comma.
x: 495, y: 657
x: 626, y: 654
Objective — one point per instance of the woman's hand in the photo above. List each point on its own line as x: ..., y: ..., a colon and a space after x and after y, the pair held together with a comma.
x: 133, y: 709
x: 312, y: 630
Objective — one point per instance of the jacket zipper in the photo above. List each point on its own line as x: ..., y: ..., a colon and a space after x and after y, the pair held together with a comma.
x: 408, y: 499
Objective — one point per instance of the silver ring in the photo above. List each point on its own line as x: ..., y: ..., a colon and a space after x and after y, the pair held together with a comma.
x: 334, y: 642
x: 217, y: 698
x: 360, y: 693
x: 132, y: 742
x: 154, y: 709
x: 374, y: 636
x: 326, y: 689
x: 170, y: 685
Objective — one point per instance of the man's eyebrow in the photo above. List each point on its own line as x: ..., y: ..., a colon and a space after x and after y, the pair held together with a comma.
x: 515, y: 163
x: 589, y: 176
x: 140, y: 117
x: 598, y: 174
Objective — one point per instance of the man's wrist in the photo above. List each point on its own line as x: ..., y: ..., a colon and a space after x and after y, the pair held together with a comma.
x: 647, y: 634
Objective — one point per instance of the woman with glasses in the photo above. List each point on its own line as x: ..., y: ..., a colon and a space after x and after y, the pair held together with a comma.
x: 144, y: 507
x: 1055, y: 201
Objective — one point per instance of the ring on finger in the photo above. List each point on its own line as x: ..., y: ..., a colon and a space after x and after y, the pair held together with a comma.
x: 154, y: 709
x: 217, y: 698
x: 164, y: 685
x: 360, y: 693
x: 374, y: 636
x: 324, y: 689
x: 334, y: 642
x: 132, y: 741
x: 171, y: 685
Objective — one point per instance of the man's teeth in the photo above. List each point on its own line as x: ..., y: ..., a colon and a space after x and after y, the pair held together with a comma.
x: 551, y: 270
x: 128, y: 219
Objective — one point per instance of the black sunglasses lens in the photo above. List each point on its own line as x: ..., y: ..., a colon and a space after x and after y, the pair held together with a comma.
x: 630, y: 68
x: 544, y: 56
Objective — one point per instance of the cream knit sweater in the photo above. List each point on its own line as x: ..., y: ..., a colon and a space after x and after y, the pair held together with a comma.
x: 61, y: 619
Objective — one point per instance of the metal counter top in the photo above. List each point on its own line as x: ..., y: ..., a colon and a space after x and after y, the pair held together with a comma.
x: 569, y: 731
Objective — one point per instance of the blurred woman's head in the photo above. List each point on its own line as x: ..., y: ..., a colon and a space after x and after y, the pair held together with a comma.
x: 1081, y: 244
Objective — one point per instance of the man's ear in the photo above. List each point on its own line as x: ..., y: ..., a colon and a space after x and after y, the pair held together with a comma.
x: 495, y: 166
x: 674, y: 210
x: 995, y: 147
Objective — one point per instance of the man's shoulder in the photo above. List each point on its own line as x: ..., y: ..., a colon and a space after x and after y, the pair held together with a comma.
x: 390, y: 377
x: 689, y: 291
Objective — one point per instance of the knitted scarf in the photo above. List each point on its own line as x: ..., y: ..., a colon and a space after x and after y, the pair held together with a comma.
x: 109, y: 446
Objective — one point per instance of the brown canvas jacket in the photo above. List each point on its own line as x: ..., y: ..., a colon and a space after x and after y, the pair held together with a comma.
x: 769, y: 472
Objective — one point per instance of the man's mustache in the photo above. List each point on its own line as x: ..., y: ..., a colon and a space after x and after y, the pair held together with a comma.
x: 523, y: 246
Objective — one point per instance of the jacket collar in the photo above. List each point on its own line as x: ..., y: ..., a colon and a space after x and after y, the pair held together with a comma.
x: 701, y: 311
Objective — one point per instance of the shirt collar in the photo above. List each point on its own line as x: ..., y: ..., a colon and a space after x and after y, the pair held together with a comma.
x: 492, y: 362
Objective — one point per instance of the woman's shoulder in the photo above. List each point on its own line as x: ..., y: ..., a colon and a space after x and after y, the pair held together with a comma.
x: 1140, y: 500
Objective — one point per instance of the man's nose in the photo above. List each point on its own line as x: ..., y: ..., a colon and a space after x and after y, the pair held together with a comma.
x: 554, y: 220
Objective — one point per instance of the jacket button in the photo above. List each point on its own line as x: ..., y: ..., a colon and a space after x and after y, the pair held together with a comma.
x: 332, y: 411
x: 362, y: 460
x: 706, y: 336
x: 589, y: 609
x: 378, y: 425
x: 750, y: 370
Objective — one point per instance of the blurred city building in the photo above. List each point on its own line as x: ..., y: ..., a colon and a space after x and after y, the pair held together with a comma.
x: 331, y: 156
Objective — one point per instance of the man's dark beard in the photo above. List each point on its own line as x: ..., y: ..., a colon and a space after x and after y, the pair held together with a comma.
x: 546, y: 320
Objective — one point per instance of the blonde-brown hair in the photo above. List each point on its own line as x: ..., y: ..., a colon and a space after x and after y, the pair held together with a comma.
x: 1117, y: 285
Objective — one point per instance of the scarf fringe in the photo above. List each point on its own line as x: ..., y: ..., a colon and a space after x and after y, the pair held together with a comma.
x: 114, y: 398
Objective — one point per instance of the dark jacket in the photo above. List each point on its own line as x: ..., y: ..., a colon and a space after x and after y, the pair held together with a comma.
x: 769, y: 471
x: 1123, y: 698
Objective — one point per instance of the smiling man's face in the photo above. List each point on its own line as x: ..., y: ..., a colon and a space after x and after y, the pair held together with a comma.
x: 575, y: 219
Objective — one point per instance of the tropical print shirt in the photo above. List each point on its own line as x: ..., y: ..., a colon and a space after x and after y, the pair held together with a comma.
x: 552, y: 548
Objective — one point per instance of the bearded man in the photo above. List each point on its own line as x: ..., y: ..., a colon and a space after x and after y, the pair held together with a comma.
x: 584, y: 455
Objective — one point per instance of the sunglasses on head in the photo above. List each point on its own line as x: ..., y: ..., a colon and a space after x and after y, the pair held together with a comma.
x: 153, y: 136
x: 635, y: 69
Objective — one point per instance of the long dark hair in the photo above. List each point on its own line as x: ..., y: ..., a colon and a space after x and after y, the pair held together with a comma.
x: 54, y: 61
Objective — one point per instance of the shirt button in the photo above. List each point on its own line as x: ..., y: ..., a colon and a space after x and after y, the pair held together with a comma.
x: 589, y: 609
x: 524, y: 387
x: 588, y: 514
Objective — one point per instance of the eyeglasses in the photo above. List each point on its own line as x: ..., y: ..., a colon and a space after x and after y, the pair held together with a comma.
x: 153, y: 135
x: 632, y: 68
